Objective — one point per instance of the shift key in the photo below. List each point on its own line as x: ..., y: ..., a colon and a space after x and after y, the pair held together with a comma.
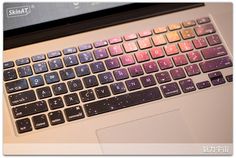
x: 22, y: 97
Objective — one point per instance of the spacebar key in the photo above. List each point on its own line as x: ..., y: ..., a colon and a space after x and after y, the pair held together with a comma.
x: 122, y: 101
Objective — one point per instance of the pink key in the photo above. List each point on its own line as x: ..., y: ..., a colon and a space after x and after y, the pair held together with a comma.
x: 130, y: 36
x: 199, y: 43
x: 158, y: 40
x: 180, y: 60
x: 194, y: 56
x: 156, y: 52
x: 115, y: 50
x: 171, y: 49
x: 130, y: 47
x: 127, y: 59
x: 142, y: 56
x: 144, y: 43
x: 115, y: 40
x: 145, y: 33
x: 160, y: 30
x: 185, y: 46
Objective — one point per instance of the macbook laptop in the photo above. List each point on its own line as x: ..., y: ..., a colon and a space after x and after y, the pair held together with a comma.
x: 117, y: 79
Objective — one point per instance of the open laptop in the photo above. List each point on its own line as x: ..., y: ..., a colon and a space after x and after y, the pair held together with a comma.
x: 117, y: 78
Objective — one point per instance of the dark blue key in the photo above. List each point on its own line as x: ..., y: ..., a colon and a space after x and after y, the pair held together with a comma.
x: 163, y: 77
x: 118, y: 88
x: 36, y: 81
x: 133, y: 84
x: 135, y: 70
x: 8, y: 64
x: 9, y: 74
x: 59, y: 88
x: 105, y: 78
x: 187, y: 85
x: 100, y: 43
x: 70, y: 60
x: 177, y: 73
x: 87, y: 95
x: 56, y: 117
x: 74, y: 113
x: 121, y: 74
x: 82, y: 70
x: 216, y: 78
x: 170, y: 89
x: 75, y: 85
x: 100, y: 53
x: 229, y: 78
x: 22, y: 97
x: 67, y: 74
x: 203, y: 84
x: 51, y: 77
x: 102, y: 92
x: 23, y: 125
x: 71, y: 99
x: 22, y: 61
x: 148, y: 81
x: 17, y: 85
x: 97, y: 67
x: 40, y: 121
x: 84, y: 47
x: 44, y: 92
x: 54, y: 54
x: 150, y: 67
x: 55, y: 103
x: 90, y: 81
x: 112, y: 63
x: 40, y: 67
x: 39, y: 57
x: 25, y: 71
x: 70, y: 50
x: 85, y: 57
x: 55, y: 64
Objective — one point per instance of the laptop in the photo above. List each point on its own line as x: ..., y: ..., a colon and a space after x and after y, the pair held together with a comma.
x: 117, y: 79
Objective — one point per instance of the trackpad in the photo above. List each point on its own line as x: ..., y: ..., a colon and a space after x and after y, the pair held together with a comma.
x: 167, y: 127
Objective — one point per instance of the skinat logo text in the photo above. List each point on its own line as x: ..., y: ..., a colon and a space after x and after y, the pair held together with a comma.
x: 18, y: 11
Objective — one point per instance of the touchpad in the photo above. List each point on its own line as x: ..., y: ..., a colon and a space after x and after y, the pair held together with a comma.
x: 167, y: 127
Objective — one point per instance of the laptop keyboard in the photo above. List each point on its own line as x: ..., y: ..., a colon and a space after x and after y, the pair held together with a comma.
x: 91, y: 79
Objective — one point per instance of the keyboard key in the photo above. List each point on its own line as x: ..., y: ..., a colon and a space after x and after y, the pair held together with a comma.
x: 69, y: 50
x: 29, y: 109
x: 59, y: 88
x: 24, y: 71
x: 115, y: 50
x: 82, y: 70
x: 9, y: 74
x: 112, y: 63
x: 100, y: 43
x: 229, y: 78
x: 97, y: 67
x: 70, y: 60
x: 175, y: 26
x: 87, y: 95
x: 173, y: 36
x: 51, y: 77
x: 67, y: 74
x: 16, y: 86
x: 192, y: 70
x: 90, y: 81
x: 71, y: 99
x: 159, y: 30
x: 36, y: 81
x: 213, y: 40
x: 130, y: 36
x: 142, y: 56
x: 40, y: 67
x: 157, y: 52
x: 44, y: 92
x: 105, y: 78
x: 203, y: 20
x: 171, y: 49
x: 130, y: 47
x: 100, y: 53
x: 55, y: 103
x: 118, y: 88
x: 22, y: 97
x: 102, y: 92
x: 23, y: 125
x: 185, y: 46
x: 189, y: 23
x: 216, y: 64
x: 40, y: 121
x: 39, y: 57
x: 150, y: 67
x: 121, y: 74
x: 56, y: 117
x: 165, y: 63
x: 55, y: 64
x: 84, y: 47
x: 170, y: 89
x: 148, y: 81
x: 204, y: 29
x: 144, y: 43
x: 74, y: 113
x: 177, y: 73
x: 145, y: 33
x: 187, y: 34
x: 54, y: 54
x: 85, y: 57
x: 22, y: 61
x: 75, y: 85
x: 135, y: 70
x: 187, y: 85
x: 213, y: 52
x: 199, y: 43
x: 203, y: 84
x: 133, y: 84
x: 122, y: 101
x: 163, y: 77
x: 8, y: 64
x: 127, y: 59
x: 216, y: 78
x: 194, y: 56
x: 115, y: 40
x: 180, y: 60
x: 159, y: 40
